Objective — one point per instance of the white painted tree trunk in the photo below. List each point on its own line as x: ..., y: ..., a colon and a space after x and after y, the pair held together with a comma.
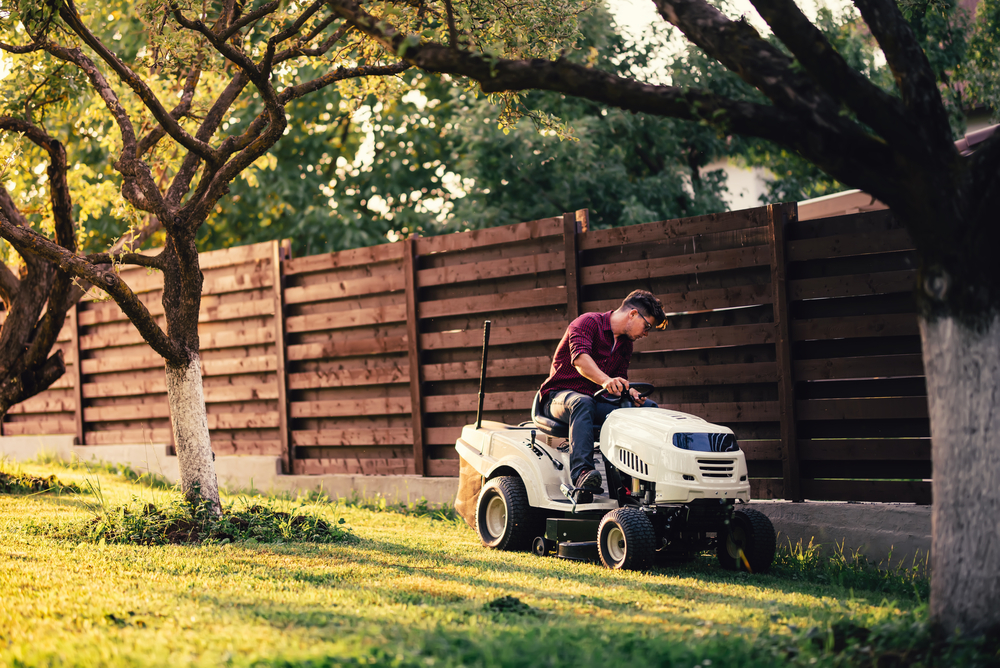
x: 191, y: 439
x: 963, y: 390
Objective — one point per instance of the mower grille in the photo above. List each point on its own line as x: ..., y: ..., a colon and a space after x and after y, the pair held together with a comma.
x: 630, y: 460
x: 716, y: 468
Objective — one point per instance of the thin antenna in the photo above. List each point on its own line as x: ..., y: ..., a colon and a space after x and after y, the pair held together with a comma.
x: 482, y: 374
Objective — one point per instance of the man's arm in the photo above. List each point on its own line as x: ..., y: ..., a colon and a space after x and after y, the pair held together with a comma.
x: 587, y: 367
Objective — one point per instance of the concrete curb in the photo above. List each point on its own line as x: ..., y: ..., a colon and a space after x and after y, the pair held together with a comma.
x: 887, y: 534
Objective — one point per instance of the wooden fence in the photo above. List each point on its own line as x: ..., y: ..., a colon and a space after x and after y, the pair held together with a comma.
x: 806, y: 346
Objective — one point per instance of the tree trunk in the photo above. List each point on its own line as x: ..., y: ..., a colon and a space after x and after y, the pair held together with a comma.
x: 963, y: 390
x: 189, y: 421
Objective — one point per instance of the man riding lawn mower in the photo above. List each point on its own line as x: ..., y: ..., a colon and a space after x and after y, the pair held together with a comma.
x: 673, y: 479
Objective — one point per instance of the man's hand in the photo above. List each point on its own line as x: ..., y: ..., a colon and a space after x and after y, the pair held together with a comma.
x: 615, y: 386
x: 635, y: 396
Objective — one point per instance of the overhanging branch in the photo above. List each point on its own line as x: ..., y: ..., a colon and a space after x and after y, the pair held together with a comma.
x: 138, y: 86
x: 914, y: 76
x: 27, y: 241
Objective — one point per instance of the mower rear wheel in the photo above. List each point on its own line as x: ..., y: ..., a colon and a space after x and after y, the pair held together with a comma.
x: 503, y: 515
x: 752, y: 532
x: 626, y: 540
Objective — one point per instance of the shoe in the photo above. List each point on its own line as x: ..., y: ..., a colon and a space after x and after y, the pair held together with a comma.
x: 589, y: 480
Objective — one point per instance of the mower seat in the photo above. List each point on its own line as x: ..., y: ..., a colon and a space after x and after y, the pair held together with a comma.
x: 545, y: 424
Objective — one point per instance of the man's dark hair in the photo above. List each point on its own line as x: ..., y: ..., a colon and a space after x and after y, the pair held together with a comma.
x: 648, y: 305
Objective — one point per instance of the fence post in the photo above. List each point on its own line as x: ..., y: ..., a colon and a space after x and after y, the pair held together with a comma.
x: 779, y: 215
x: 573, y: 223
x: 74, y: 330
x: 413, y: 350
x: 281, y: 251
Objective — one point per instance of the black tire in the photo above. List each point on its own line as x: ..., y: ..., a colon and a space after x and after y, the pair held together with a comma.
x: 626, y: 540
x: 751, y: 531
x: 504, y: 520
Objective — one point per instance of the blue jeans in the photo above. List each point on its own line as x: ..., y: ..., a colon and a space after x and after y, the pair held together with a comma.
x: 584, y: 414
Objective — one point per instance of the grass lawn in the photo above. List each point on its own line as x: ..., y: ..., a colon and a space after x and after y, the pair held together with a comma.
x: 418, y: 590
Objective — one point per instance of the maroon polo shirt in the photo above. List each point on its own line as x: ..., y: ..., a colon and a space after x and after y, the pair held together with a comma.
x: 590, y: 334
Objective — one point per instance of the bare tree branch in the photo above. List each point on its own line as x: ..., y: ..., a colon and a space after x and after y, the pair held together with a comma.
x: 28, y: 241
x: 136, y: 259
x: 138, y: 188
x: 135, y: 82
x: 914, y: 76
x: 452, y: 31
x: 182, y: 108
x: 213, y: 119
x: 250, y: 18
x: 320, y: 50
x: 881, y: 111
x: 287, y: 33
x: 9, y: 285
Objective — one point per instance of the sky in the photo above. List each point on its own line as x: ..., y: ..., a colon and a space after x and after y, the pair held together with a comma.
x: 634, y: 15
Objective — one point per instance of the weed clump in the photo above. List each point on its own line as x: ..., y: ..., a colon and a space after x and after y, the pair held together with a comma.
x: 851, y: 570
x: 509, y: 605
x: 181, y: 522
x: 22, y: 483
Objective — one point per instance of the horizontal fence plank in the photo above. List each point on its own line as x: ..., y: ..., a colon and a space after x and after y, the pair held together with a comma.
x: 721, y: 260
x: 442, y: 468
x: 443, y: 435
x: 462, y: 241
x: 344, y: 259
x: 902, y: 449
x: 499, y: 336
x: 332, y: 349
x: 489, y: 303
x: 499, y: 401
x: 245, y: 447
x: 129, y: 436
x: 41, y: 403
x: 491, y: 269
x: 761, y: 450
x: 874, y: 491
x: 876, y: 366
x: 504, y: 368
x: 672, y: 229
x: 348, y: 377
x: 852, y: 286
x: 345, y: 319
x: 722, y: 374
x: 741, y: 411
x: 844, y: 245
x: 253, y: 336
x: 353, y: 437
x: 355, y: 466
x: 707, y: 337
x: 387, y: 282
x: 350, y: 407
x: 878, y: 408
x: 266, y: 420
x: 51, y: 425
x: 211, y: 311
x: 699, y: 300
x: 852, y: 327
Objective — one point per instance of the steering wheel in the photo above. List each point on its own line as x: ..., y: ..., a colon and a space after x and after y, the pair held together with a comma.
x: 625, y: 398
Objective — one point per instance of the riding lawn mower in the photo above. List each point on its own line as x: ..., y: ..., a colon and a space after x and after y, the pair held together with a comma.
x: 677, y: 486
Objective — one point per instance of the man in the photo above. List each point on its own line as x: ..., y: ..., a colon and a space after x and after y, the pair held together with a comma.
x: 594, y: 353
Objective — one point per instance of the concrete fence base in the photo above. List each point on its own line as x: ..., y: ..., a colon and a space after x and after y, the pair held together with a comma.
x: 885, y: 533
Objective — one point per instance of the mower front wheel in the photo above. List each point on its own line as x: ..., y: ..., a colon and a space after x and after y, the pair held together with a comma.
x: 750, y: 532
x: 626, y: 540
x: 503, y: 514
